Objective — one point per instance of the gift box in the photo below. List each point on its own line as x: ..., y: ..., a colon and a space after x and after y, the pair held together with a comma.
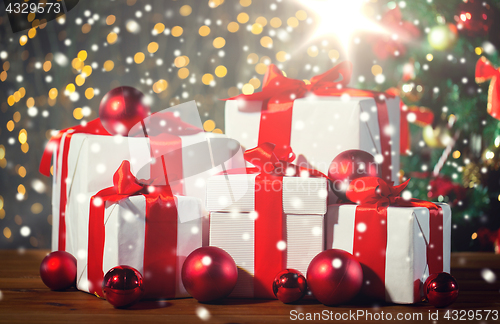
x: 267, y: 222
x: 144, y: 227
x: 87, y: 160
x: 319, y: 120
x: 398, y: 247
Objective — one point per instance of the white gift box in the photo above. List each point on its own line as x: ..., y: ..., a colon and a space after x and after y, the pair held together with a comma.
x: 93, y: 159
x: 323, y: 127
x: 408, y: 234
x: 125, y: 225
x: 231, y: 202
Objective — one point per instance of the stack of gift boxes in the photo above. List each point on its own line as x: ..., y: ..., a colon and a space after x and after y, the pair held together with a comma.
x: 272, y: 212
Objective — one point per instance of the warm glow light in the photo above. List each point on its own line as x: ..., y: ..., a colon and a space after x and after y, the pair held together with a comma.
x: 341, y: 18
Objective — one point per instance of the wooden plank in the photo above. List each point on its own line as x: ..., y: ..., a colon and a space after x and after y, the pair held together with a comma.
x: 24, y: 299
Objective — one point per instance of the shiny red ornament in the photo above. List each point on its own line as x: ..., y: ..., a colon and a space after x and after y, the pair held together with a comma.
x: 121, y: 108
x: 122, y: 286
x: 474, y: 18
x: 209, y: 273
x: 334, y: 277
x: 289, y: 286
x: 58, y: 270
x: 350, y: 165
x: 441, y: 289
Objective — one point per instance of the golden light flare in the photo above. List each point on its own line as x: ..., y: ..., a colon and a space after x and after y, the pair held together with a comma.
x: 301, y: 15
x: 252, y: 58
x: 2, y: 153
x: 256, y: 29
x: 82, y: 55
x: 183, y: 73
x: 53, y: 93
x: 160, y: 86
x: 47, y: 65
x: 181, y: 61
x: 261, y: 68
x: 281, y: 56
x: 376, y: 69
x: 312, y: 51
x: 159, y: 28
x: 266, y: 42
x: 275, y: 22
x: 153, y: 47
x: 247, y: 89
x: 347, y: 19
x: 110, y: 20
x: 36, y: 208
x: 30, y: 102
x: 21, y: 189
x: 7, y: 232
x: 139, y: 57
x: 23, y: 40
x: 79, y: 80
x: 204, y: 31
x: 16, y: 116
x: 207, y: 78
x: 111, y: 38
x: 185, y: 10
x: 21, y: 171
x: 32, y: 33
x: 87, y: 70
x: 209, y: 125
x: 10, y: 125
x: 219, y: 42
x: 89, y: 93
x: 261, y: 20
x: 292, y: 22
x: 23, y: 136
x: 242, y: 17
x: 255, y: 83
x: 177, y: 31
x: 245, y: 3
x: 77, y: 113
x: 3, y: 76
x: 109, y: 65
x: 233, y: 27
x: 221, y: 71
x: 70, y: 88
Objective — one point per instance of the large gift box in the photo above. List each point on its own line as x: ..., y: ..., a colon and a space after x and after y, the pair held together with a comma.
x: 145, y: 227
x: 86, y: 156
x: 267, y: 220
x: 398, y: 242
x: 319, y: 119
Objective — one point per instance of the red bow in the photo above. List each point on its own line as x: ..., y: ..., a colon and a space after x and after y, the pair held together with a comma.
x: 484, y: 72
x: 373, y: 191
x: 279, y: 92
x: 125, y: 184
x: 266, y: 161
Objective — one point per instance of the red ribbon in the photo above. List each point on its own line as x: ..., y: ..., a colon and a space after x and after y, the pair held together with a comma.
x: 92, y: 127
x: 423, y: 116
x: 160, y: 246
x: 484, y: 72
x: 279, y: 92
x: 270, y: 224
x: 373, y: 195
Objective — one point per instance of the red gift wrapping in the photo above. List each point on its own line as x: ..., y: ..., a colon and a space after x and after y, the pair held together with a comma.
x: 279, y: 92
x: 160, y: 233
x: 374, y: 196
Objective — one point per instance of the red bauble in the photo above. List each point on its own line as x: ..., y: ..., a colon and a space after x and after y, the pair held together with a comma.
x: 350, y: 165
x: 289, y: 286
x: 121, y: 108
x: 122, y: 286
x: 475, y: 17
x: 58, y: 270
x: 334, y: 277
x: 441, y: 289
x: 209, y: 273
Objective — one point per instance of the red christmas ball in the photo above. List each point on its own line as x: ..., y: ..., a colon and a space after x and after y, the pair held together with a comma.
x: 122, y: 286
x: 58, y: 270
x: 289, y: 286
x: 121, y: 108
x: 334, y: 277
x: 441, y: 289
x: 350, y: 165
x: 209, y: 273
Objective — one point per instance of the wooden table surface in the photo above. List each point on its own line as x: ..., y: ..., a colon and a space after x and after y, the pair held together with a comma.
x: 25, y: 299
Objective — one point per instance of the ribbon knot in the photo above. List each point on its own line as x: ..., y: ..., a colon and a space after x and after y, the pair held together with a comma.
x: 486, y: 71
x: 375, y: 192
x: 124, y: 182
x: 264, y: 157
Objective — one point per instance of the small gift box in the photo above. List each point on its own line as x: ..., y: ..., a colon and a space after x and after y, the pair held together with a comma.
x: 319, y: 120
x: 267, y: 218
x: 398, y: 242
x: 145, y: 227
